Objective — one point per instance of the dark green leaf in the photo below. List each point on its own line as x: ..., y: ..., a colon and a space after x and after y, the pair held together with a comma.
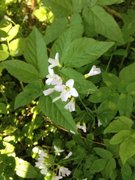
x: 29, y: 93
x: 82, y: 85
x: 98, y: 165
x: 22, y: 71
x: 84, y: 51
x: 56, y: 112
x: 103, y: 23
x: 35, y: 52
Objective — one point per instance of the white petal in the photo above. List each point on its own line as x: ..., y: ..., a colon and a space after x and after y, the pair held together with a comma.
x: 50, y: 70
x: 57, y: 56
x: 70, y: 83
x: 65, y: 95
x: 70, y: 106
x: 73, y: 92
x: 59, y: 87
x: 94, y: 71
x: 48, y: 91
x: 68, y: 156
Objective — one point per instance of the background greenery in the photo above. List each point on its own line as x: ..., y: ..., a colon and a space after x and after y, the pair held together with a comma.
x: 85, y: 33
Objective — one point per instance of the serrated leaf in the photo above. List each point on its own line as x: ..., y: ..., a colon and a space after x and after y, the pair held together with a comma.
x: 108, y: 109
x: 125, y: 104
x: 127, y: 149
x: 98, y: 165
x: 127, y: 74
x: 110, y: 168
x: 100, y: 95
x: 22, y: 71
x: 57, y: 113
x: 55, y: 29
x: 126, y: 172
x: 103, y: 23
x: 103, y: 153
x: 74, y: 31
x: 121, y: 123
x: 131, y: 88
x: 84, y: 51
x: 35, y: 52
x: 60, y: 8
x: 24, y: 169
x: 82, y: 85
x: 29, y: 93
x: 120, y: 136
x: 110, y: 80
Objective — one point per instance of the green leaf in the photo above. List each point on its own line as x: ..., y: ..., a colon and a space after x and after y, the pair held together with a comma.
x: 131, y: 88
x: 100, y: 95
x: 35, y: 52
x: 22, y: 71
x: 29, y: 93
x: 127, y: 74
x: 125, y: 104
x: 98, y: 165
x: 55, y: 29
x: 13, y: 32
x: 108, y: 109
x: 24, y: 169
x: 60, y: 8
x: 3, y: 55
x: 103, y: 23
x: 126, y: 172
x: 57, y: 113
x: 103, y: 153
x: 16, y: 47
x: 74, y: 31
x: 121, y: 123
x: 110, y: 2
x: 120, y: 136
x: 110, y: 168
x: 81, y: 84
x: 3, y: 109
x: 127, y: 149
x: 110, y: 80
x: 84, y: 51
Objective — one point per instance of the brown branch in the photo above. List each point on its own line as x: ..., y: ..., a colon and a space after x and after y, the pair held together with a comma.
x: 113, y: 12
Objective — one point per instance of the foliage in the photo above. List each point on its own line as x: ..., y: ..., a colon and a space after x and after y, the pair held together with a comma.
x: 89, y: 43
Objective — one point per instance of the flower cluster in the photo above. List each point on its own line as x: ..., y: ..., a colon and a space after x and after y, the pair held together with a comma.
x: 45, y: 164
x: 67, y: 90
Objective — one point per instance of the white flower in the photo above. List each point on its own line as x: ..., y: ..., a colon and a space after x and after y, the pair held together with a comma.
x: 70, y: 106
x: 63, y: 171
x: 41, y: 164
x: 69, y: 90
x: 54, y: 62
x: 48, y: 91
x: 94, y: 71
x: 82, y: 127
x: 68, y: 156
x: 52, y: 78
x: 58, y: 150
